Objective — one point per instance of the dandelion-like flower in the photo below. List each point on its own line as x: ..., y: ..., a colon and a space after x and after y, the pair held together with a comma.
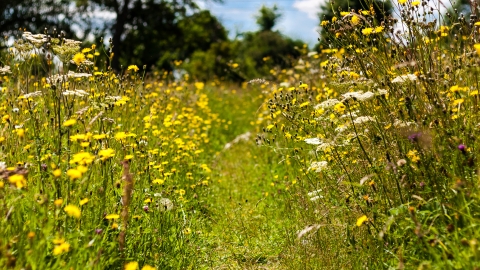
x: 318, y: 166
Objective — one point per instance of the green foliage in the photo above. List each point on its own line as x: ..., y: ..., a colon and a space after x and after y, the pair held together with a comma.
x: 267, y: 18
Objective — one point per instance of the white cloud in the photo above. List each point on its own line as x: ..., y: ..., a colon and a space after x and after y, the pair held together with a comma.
x: 310, y: 7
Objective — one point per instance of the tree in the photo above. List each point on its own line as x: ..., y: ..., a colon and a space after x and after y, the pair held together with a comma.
x: 267, y: 18
x: 382, y: 9
x: 36, y: 15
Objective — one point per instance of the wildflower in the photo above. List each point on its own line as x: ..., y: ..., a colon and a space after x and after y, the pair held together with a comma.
x: 78, y: 58
x: 5, y: 70
x: 57, y: 173
x: 412, y: 155
x: 62, y: 248
x: 401, y: 2
x: 415, y: 3
x: 327, y: 104
x: 355, y: 20
x: 20, y: 132
x: 318, y: 166
x: 367, y: 31
x: 133, y: 67
x: 84, y: 201
x: 187, y: 231
x: 74, y: 174
x: 72, y: 211
x: 19, y: 180
x: 69, y: 122
x: 405, y: 78
x: 148, y: 267
x: 462, y: 147
x: 361, y: 220
x: 82, y: 158
x: 32, y: 95
x: 378, y: 29
x: 314, y: 141
x: 58, y: 202
x: 165, y: 204
x: 112, y: 216
x: 131, y: 266
x: 362, y: 119
x: 477, y: 48
x: 339, y: 107
x: 106, y: 154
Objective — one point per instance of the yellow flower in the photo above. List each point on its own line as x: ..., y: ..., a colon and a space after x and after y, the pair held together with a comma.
x: 131, y: 266
x: 148, y: 267
x: 477, y: 48
x: 84, y: 201
x: 401, y: 2
x: 361, y: 220
x: 378, y: 29
x: 72, y: 211
x: 69, y: 122
x: 128, y: 157
x: 339, y: 107
x: 355, y: 20
x: 74, y: 174
x: 412, y: 155
x: 78, y: 58
x: 20, y: 132
x: 18, y: 179
x: 112, y: 216
x: 367, y: 31
x: 106, y: 154
x: 57, y: 173
x: 133, y: 67
x: 62, y: 248
x: 415, y: 3
x: 58, y: 202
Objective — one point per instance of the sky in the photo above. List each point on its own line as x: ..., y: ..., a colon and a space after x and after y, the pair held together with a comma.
x: 299, y: 17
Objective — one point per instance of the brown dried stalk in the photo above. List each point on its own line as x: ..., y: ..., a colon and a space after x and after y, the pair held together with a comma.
x: 127, y: 177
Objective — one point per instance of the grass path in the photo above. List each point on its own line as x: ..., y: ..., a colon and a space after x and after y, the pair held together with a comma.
x: 257, y: 210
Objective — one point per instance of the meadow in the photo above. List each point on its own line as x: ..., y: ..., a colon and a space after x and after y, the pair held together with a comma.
x: 361, y: 156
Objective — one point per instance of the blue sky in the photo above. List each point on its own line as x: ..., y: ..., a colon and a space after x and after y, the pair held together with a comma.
x: 299, y: 17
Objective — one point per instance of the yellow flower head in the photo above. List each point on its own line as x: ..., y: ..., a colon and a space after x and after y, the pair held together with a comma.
x: 112, y: 216
x: 69, y: 122
x: 18, y: 179
x: 78, y: 58
x: 74, y: 174
x: 131, y: 266
x: 355, y: 20
x: 62, y: 248
x: 133, y: 67
x: 361, y: 220
x: 72, y: 211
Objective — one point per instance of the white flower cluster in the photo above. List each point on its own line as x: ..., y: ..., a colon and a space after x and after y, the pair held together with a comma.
x: 37, y: 40
x: 329, y: 103
x: 76, y: 92
x: 362, y: 119
x: 405, y: 78
x: 318, y: 166
x: 32, y: 95
x: 359, y: 95
x: 5, y: 70
x: 315, y: 195
x: 314, y: 141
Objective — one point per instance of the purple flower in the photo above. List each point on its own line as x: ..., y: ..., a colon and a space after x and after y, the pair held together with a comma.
x: 145, y: 208
x: 414, y: 137
x: 98, y: 231
x: 462, y: 147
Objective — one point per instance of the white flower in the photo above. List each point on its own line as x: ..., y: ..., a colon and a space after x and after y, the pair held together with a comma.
x: 381, y: 92
x: 314, y: 193
x: 405, y: 78
x: 340, y: 128
x: 77, y: 92
x: 324, y: 146
x: 165, y: 204
x: 314, y: 141
x: 318, y: 166
x: 316, y: 198
x: 362, y: 119
x: 360, y: 96
x: 3, y: 166
x: 33, y: 94
x: 329, y: 103
x: 72, y: 74
x: 400, y: 123
x: 5, y: 70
